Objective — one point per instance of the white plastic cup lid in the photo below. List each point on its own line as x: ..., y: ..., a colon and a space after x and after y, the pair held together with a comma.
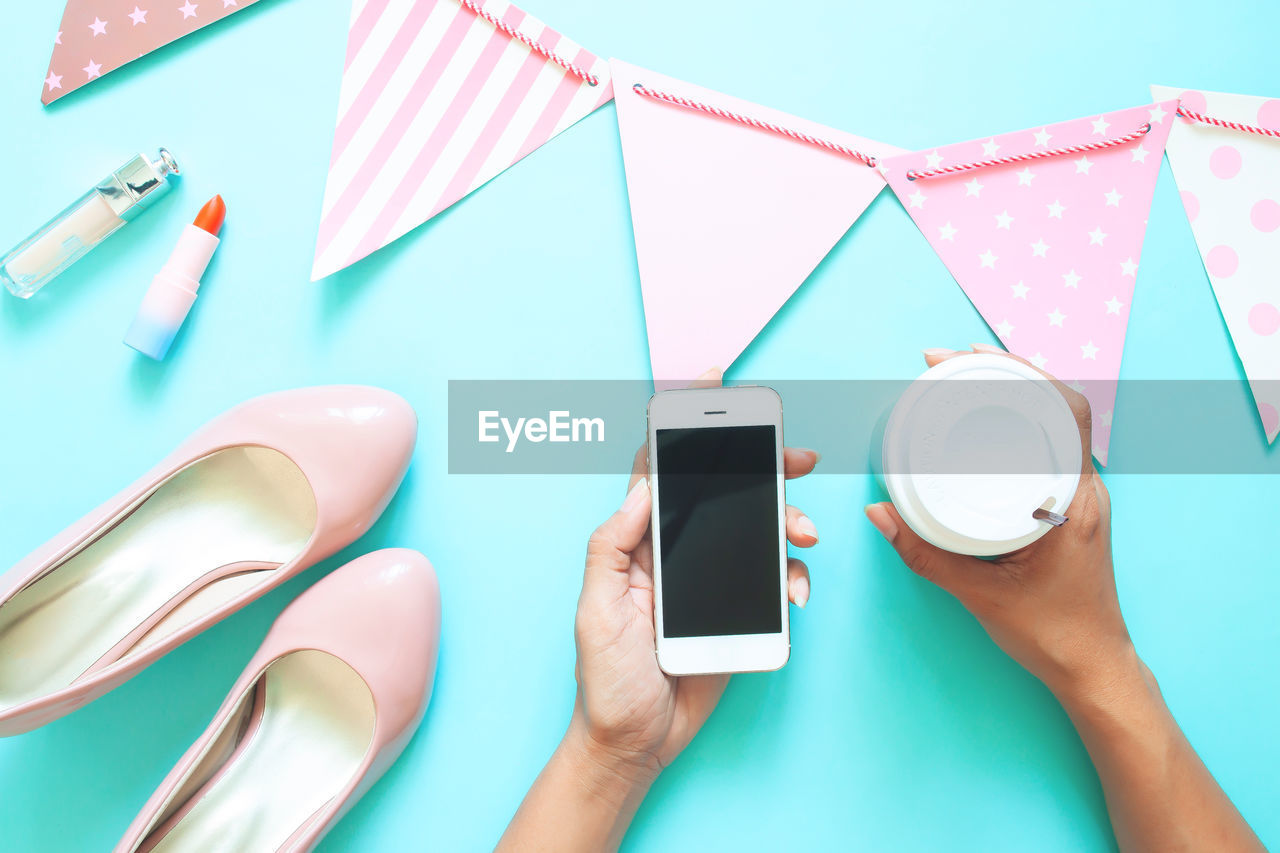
x: 968, y: 460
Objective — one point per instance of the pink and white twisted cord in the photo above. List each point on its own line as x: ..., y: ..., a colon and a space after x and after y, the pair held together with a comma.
x: 1083, y: 148
x: 532, y: 43
x: 1230, y: 125
x: 760, y: 124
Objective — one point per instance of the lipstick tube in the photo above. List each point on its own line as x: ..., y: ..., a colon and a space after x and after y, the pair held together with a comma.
x: 89, y: 220
x: 173, y: 291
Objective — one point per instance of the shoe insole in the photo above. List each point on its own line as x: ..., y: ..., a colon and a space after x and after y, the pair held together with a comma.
x: 244, y: 505
x: 313, y: 729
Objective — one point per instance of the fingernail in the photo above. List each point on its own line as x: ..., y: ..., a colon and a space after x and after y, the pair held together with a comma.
x: 937, y: 351
x: 805, y: 526
x: 636, y: 495
x: 712, y: 373
x: 801, y: 596
x: 817, y: 457
x: 882, y: 522
x: 987, y: 348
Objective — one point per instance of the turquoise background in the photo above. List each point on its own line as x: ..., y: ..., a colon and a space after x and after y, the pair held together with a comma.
x: 897, y: 725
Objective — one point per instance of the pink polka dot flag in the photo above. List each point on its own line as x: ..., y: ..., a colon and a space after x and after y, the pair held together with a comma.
x: 1048, y: 249
x: 99, y: 36
x: 1230, y: 185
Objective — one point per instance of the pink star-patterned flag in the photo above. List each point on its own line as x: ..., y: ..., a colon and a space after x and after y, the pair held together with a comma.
x: 99, y: 36
x: 1047, y: 249
x: 1230, y: 184
x: 435, y: 101
x: 729, y: 219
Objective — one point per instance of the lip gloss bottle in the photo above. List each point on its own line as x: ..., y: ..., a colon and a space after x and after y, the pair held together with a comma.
x: 89, y: 220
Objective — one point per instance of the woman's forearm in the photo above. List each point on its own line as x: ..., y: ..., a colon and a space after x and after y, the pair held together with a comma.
x: 1159, y: 794
x: 582, y: 802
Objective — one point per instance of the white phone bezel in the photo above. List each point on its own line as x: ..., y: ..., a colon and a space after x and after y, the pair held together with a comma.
x: 719, y: 407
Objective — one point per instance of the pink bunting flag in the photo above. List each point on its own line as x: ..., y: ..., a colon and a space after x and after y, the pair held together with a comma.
x: 1043, y: 230
x: 99, y: 36
x: 1225, y: 155
x: 733, y: 205
x: 438, y: 97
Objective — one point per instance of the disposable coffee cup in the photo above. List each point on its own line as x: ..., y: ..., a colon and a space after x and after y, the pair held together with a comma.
x: 973, y: 448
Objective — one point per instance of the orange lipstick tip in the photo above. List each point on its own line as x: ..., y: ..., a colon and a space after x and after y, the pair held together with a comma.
x: 211, y: 215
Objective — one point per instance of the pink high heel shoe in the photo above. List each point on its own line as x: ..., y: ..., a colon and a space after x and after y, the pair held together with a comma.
x: 326, y: 705
x: 252, y: 498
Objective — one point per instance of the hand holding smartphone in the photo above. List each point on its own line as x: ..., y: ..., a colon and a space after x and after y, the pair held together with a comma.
x: 719, y: 530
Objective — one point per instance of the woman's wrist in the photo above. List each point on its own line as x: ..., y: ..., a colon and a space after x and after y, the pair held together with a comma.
x: 613, y: 777
x: 1108, y: 684
x: 582, y: 802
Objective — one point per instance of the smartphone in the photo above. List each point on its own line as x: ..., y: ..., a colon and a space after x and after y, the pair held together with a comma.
x: 719, y: 522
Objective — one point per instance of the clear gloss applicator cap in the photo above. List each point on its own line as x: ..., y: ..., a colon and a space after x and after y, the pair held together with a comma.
x: 89, y: 220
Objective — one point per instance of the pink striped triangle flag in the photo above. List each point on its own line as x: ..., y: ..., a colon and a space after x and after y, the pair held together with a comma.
x: 1044, y: 234
x: 438, y: 97
x: 733, y: 205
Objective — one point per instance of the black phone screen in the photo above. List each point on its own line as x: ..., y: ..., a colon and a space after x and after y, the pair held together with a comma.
x: 718, y: 526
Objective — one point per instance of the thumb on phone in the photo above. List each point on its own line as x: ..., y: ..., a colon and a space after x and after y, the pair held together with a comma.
x: 610, y: 546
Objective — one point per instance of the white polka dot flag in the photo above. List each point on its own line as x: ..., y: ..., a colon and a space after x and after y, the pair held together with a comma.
x: 733, y: 205
x: 1230, y: 184
x: 99, y: 36
x: 1047, y: 246
x: 435, y: 101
